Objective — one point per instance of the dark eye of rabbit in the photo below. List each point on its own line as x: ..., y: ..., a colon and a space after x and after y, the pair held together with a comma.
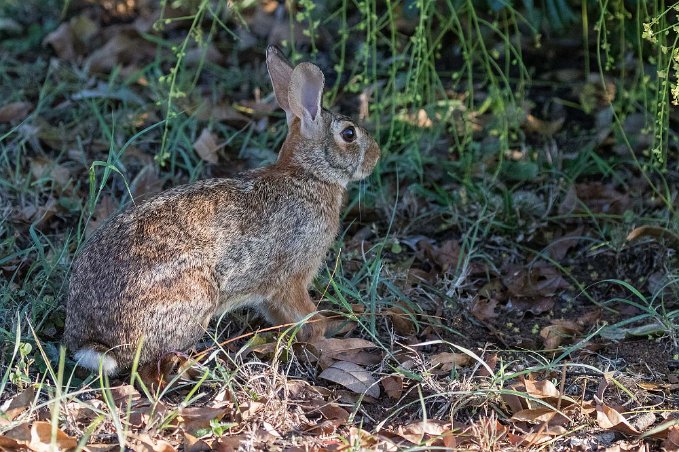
x: 348, y: 134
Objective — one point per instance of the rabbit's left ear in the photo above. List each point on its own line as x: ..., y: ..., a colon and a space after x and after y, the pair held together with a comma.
x: 280, y: 72
x: 304, y: 98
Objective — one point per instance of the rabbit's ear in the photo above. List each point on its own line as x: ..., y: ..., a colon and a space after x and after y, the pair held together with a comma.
x: 304, y: 97
x: 280, y: 72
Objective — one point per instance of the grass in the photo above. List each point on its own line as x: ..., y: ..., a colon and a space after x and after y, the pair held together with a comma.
x: 478, y: 178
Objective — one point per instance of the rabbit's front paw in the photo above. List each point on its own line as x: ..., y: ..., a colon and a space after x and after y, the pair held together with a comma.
x: 314, y: 328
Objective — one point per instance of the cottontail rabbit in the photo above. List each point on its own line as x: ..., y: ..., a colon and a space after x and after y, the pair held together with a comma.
x: 159, y: 271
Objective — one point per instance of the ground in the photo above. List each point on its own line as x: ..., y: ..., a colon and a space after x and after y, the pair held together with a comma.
x: 505, y: 280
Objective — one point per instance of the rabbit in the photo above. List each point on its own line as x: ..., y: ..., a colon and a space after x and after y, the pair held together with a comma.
x: 158, y: 272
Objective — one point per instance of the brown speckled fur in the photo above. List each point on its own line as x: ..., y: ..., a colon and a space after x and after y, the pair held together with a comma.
x: 159, y: 271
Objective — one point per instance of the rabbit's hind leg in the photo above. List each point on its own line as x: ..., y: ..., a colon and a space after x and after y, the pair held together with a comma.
x: 292, y: 304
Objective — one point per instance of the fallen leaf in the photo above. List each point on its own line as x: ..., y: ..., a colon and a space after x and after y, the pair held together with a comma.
x: 672, y: 440
x: 445, y: 256
x: 417, y: 432
x: 484, y: 310
x: 393, y: 386
x: 402, y: 319
x: 193, y: 444
x: 539, y: 280
x: 655, y: 232
x: 41, y: 438
x: 355, y: 350
x: 15, y: 111
x: 554, y: 335
x: 61, y: 41
x: 609, y: 418
x: 206, y: 146
x: 602, y: 198
x: 49, y: 169
x: 547, y: 128
x: 541, y: 415
x: 196, y: 418
x: 449, y: 361
x: 121, y: 49
x: 560, y: 246
x: 17, y: 404
x: 352, y: 377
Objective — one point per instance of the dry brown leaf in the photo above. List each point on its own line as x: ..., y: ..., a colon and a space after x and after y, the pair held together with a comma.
x: 46, y: 168
x: 554, y: 335
x: 491, y: 362
x: 355, y: 350
x: 206, y: 146
x: 121, y: 49
x: 541, y: 389
x: 393, y: 386
x: 602, y: 198
x: 534, y: 305
x: 196, y: 418
x: 61, y: 41
x: 417, y: 432
x: 15, y: 111
x: 193, y: 444
x: 352, y: 377
x: 484, y: 310
x: 611, y: 419
x: 144, y: 443
x: 655, y: 232
x: 449, y: 361
x: 41, y: 438
x: 672, y: 440
x: 539, y: 280
x: 560, y: 247
x: 400, y: 316
x: 445, y: 256
x: 229, y: 443
x: 542, y: 127
x: 541, y: 415
x: 17, y: 404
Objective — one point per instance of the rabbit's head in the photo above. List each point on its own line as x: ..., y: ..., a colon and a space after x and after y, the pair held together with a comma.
x: 329, y: 145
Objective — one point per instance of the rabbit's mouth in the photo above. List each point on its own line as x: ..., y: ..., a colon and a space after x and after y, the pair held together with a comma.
x: 372, y: 155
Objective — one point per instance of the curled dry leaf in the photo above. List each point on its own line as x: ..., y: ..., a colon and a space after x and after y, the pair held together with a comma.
x: 17, y: 404
x: 352, y: 377
x: 401, y: 319
x: 611, y: 419
x: 561, y: 330
x: 41, y: 438
x: 15, y: 111
x: 206, y: 146
x: 542, y: 127
x: 655, y: 232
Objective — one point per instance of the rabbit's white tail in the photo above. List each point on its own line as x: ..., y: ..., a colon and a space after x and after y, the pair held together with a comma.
x: 92, y: 359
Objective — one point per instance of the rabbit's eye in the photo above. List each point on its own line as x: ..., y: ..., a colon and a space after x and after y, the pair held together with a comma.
x: 348, y: 134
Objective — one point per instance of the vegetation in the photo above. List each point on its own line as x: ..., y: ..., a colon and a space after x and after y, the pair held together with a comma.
x: 508, y: 275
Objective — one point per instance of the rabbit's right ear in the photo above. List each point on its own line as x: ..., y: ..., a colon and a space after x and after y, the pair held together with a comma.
x: 280, y: 72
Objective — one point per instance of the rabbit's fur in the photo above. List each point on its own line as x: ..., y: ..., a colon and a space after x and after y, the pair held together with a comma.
x: 157, y: 272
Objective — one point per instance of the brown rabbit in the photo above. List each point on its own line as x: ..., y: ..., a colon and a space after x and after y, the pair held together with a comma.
x: 159, y: 271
